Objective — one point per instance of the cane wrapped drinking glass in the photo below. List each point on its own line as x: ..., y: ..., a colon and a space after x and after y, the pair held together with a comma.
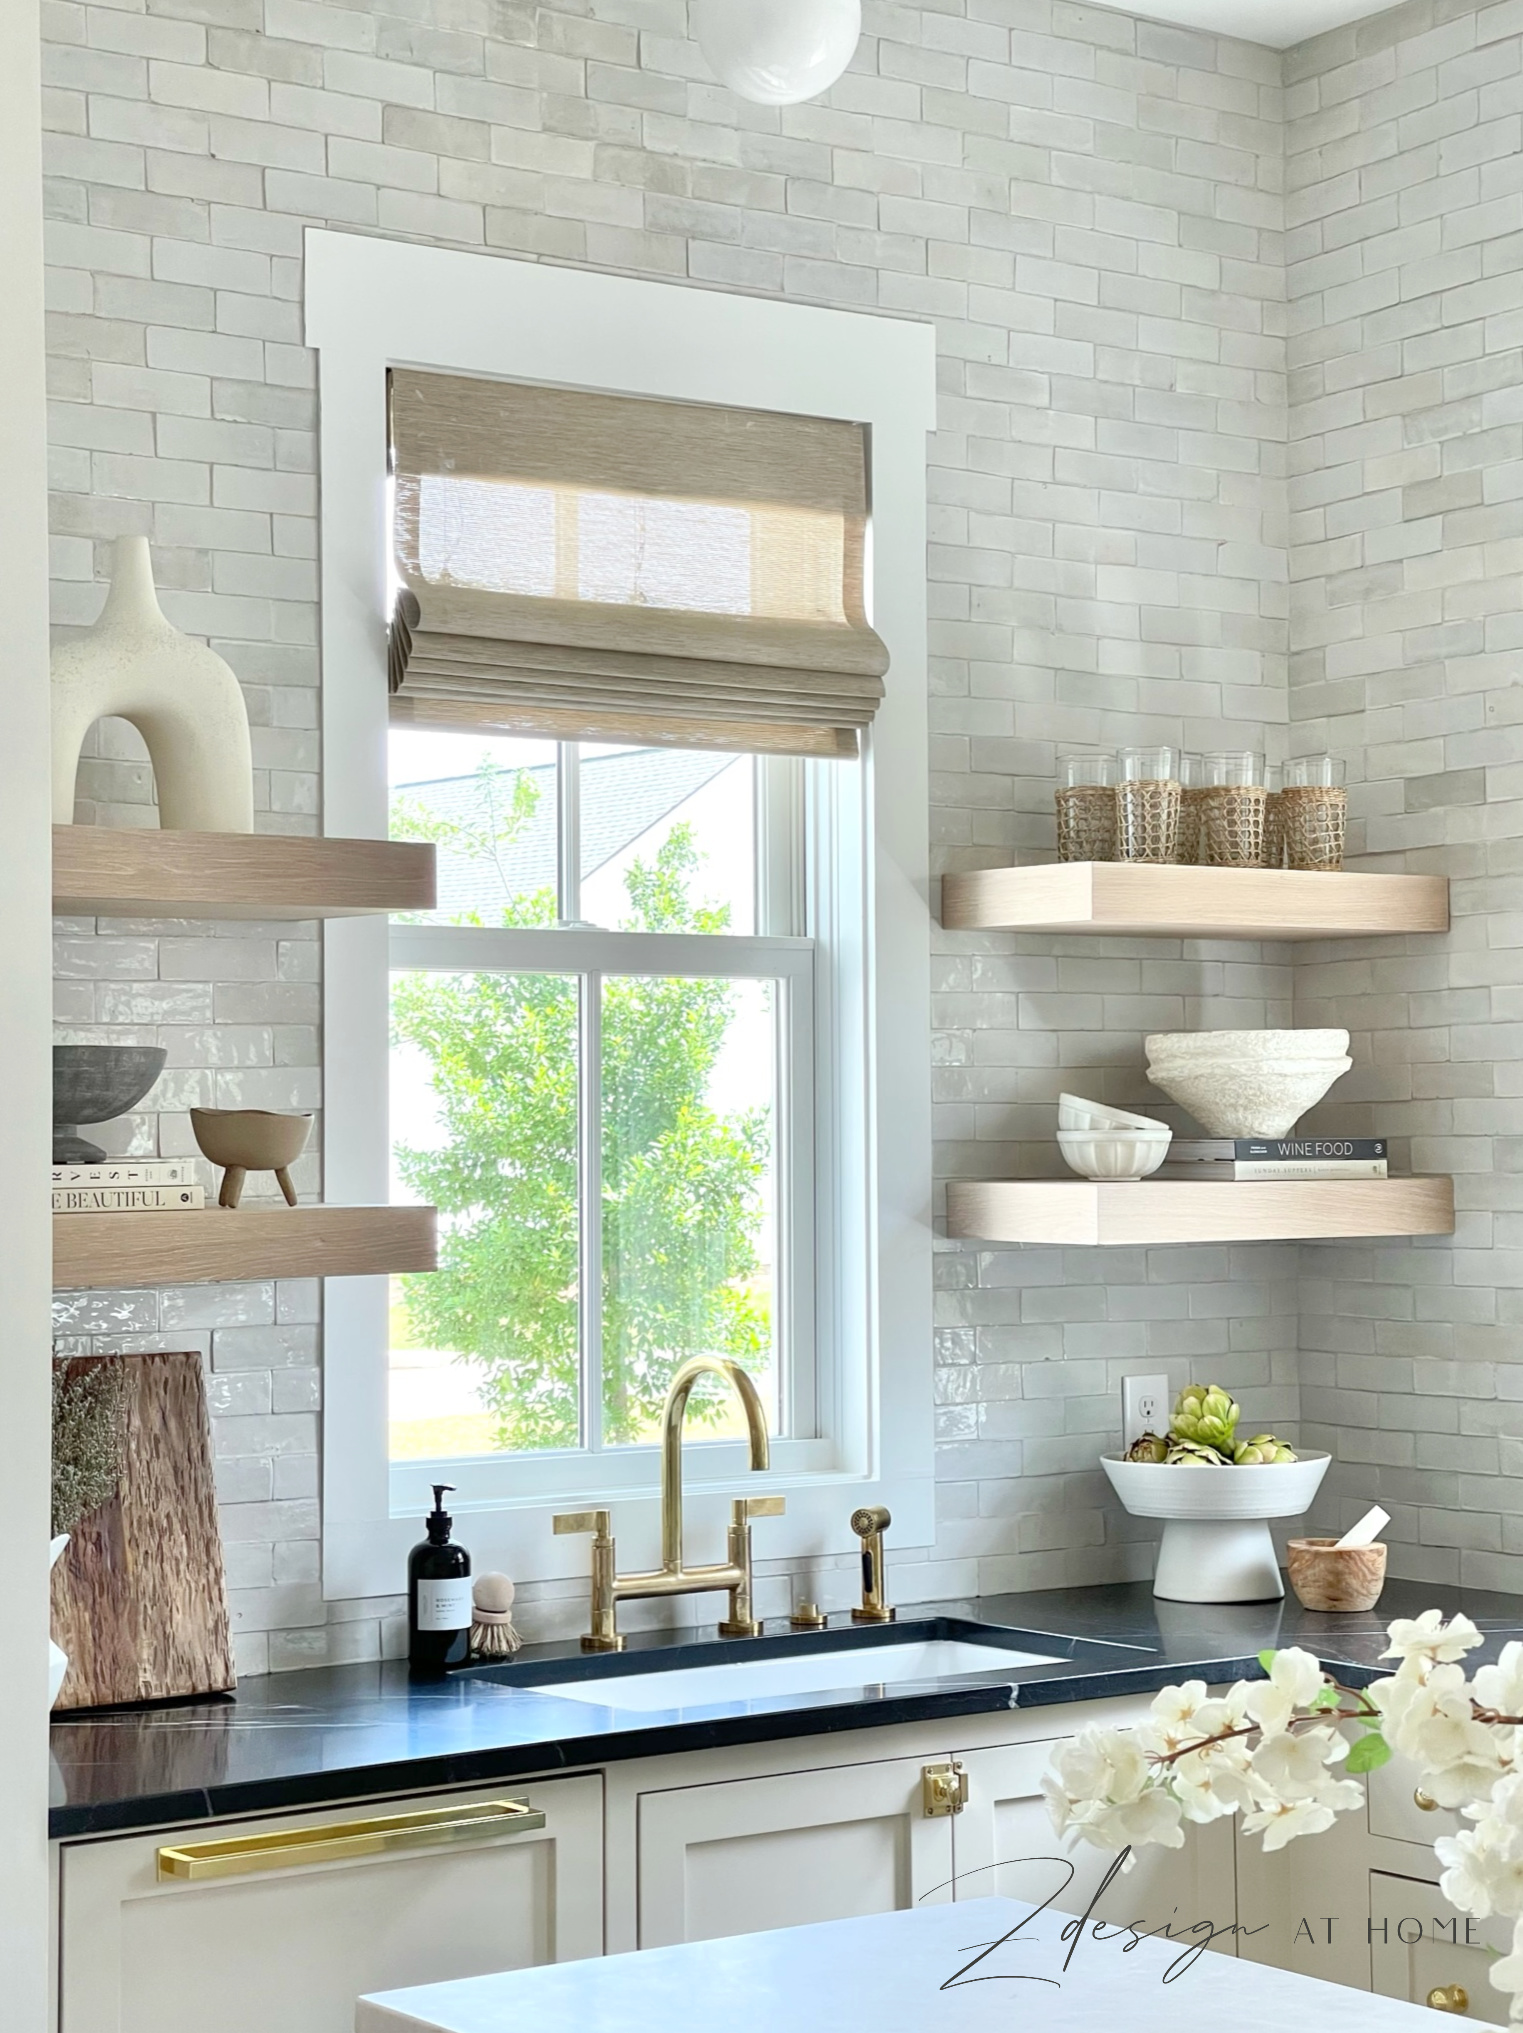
x: 1314, y: 812
x: 1148, y: 799
x: 1233, y: 810
x: 1086, y: 807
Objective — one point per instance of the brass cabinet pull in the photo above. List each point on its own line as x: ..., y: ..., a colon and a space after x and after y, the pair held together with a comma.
x: 1449, y: 1998
x: 233, y: 1856
x: 1425, y: 1801
x: 943, y: 1789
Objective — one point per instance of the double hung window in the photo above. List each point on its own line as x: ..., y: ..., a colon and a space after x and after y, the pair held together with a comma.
x: 603, y: 1046
x: 604, y: 618
x: 602, y: 1076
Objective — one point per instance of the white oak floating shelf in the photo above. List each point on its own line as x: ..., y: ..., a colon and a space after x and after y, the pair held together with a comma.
x: 1192, y: 903
x: 102, y: 871
x: 1135, y: 1211
x: 227, y: 1244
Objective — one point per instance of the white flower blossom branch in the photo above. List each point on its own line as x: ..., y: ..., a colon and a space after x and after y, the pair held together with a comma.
x: 1271, y: 1750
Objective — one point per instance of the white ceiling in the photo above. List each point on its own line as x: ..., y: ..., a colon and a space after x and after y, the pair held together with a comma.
x: 1279, y: 23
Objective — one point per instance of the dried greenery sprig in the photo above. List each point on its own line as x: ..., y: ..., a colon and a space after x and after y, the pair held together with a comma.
x: 89, y: 1407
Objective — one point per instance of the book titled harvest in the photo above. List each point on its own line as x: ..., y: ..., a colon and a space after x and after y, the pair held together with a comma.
x: 128, y: 1172
x: 1277, y: 1150
x: 125, y: 1199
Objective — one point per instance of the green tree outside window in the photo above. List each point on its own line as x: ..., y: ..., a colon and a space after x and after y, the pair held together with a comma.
x: 681, y: 1187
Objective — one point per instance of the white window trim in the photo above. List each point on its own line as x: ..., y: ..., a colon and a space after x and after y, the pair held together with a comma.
x: 373, y: 303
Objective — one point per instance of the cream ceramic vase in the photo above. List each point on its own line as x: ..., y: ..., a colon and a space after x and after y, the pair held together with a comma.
x: 58, y: 1659
x: 178, y: 693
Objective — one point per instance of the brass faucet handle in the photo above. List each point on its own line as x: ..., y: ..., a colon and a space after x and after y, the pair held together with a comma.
x: 604, y: 1633
x: 743, y: 1509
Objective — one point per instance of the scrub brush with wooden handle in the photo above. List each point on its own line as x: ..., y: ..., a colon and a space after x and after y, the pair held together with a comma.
x: 492, y: 1633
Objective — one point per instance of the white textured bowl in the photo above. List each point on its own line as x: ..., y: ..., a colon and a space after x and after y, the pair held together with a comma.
x: 1160, y: 1489
x: 1074, y: 1112
x: 1248, y: 1045
x: 1114, y: 1153
x: 1247, y: 1097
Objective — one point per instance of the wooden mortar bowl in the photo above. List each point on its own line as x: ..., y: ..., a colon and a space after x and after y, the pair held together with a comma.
x: 1326, y: 1576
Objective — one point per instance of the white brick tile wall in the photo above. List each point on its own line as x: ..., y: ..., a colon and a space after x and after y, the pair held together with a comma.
x: 1407, y: 1359
x: 1229, y: 451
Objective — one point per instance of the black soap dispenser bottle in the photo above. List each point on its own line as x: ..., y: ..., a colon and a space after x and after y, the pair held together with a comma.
x: 438, y: 1597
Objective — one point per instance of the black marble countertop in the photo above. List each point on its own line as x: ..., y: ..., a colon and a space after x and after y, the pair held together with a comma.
x: 345, y: 1732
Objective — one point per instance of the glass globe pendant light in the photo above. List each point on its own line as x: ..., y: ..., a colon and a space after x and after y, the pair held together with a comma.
x: 777, y: 52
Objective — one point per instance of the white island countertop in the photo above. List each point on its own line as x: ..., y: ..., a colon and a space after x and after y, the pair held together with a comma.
x: 899, y: 1973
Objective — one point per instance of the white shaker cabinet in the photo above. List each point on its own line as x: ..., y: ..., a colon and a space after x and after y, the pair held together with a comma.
x: 741, y: 1855
x: 1360, y: 1904
x: 1004, y: 1845
x: 1423, y: 1951
x: 292, y: 1947
x: 737, y: 1853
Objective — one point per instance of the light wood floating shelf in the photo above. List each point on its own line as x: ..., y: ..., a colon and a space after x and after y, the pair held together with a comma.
x: 1191, y: 903
x: 1135, y: 1211
x: 101, y: 871
x: 229, y: 1244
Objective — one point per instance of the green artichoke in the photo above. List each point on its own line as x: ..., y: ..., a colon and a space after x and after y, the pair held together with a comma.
x: 1195, y: 1454
x: 1148, y: 1448
x: 1262, y: 1449
x: 1206, y: 1414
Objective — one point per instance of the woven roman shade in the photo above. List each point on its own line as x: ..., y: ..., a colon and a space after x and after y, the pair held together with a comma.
x: 607, y: 568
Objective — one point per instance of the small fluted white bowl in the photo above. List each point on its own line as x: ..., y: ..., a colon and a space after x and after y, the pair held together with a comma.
x: 1114, y: 1153
x: 1247, y: 1045
x: 1074, y: 1112
x: 1247, y: 1097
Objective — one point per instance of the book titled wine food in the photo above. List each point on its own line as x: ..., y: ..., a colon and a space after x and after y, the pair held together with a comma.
x: 1277, y: 1158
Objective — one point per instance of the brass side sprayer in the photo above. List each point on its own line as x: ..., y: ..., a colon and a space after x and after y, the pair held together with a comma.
x: 869, y: 1524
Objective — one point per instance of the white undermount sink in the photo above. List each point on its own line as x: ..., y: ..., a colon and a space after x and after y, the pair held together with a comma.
x: 807, y: 1673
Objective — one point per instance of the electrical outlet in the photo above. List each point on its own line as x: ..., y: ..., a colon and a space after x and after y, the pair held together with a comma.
x: 1144, y: 1407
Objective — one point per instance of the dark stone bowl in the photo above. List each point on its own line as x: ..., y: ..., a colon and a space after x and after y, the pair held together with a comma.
x: 93, y: 1083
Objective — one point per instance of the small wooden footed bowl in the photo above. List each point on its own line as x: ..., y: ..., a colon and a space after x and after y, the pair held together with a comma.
x: 1327, y: 1576
x: 245, y: 1140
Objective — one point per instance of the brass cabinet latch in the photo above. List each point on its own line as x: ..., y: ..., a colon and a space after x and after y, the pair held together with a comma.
x: 943, y: 1788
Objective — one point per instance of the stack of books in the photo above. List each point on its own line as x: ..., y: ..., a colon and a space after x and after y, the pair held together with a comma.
x: 1217, y: 1158
x: 126, y: 1186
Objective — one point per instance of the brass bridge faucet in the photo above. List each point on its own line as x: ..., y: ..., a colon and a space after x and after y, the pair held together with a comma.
x: 609, y: 1587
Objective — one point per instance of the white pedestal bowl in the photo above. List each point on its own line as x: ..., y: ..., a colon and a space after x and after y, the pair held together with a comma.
x: 1216, y: 1545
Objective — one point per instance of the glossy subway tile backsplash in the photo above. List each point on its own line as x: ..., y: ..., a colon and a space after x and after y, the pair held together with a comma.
x: 1227, y: 456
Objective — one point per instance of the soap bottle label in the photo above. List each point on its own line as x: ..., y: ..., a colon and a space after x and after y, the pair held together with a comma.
x: 444, y: 1605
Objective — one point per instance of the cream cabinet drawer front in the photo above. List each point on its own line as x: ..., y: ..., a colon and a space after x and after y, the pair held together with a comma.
x: 745, y: 1855
x: 242, y: 1928
x: 1396, y: 1808
x: 1421, y: 1950
x: 1003, y: 1844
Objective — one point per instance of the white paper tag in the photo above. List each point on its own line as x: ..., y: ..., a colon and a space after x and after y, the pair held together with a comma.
x: 444, y: 1605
